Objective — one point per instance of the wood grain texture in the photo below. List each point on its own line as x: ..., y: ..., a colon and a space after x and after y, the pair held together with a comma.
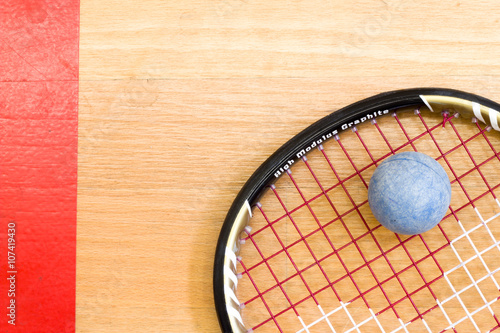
x: 181, y: 101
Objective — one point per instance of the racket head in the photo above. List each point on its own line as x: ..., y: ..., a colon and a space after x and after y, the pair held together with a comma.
x: 437, y: 100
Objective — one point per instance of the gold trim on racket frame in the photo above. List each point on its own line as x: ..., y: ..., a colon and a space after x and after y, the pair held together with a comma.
x: 230, y: 271
x: 471, y: 109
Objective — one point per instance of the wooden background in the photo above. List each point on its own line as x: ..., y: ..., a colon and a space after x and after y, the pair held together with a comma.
x: 180, y: 101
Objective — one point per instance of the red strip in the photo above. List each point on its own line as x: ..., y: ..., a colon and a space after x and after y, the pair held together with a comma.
x: 38, y: 164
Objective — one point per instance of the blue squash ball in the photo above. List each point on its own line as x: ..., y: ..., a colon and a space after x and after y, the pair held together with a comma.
x: 409, y: 193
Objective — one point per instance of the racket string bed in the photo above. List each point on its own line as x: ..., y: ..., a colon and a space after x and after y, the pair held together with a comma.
x: 306, y: 254
x: 456, y: 294
x: 365, y: 223
x: 463, y: 263
x: 330, y: 284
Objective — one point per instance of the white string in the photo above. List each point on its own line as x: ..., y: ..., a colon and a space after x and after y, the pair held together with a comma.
x: 403, y: 326
x: 326, y: 318
x: 322, y: 318
x: 444, y: 312
x: 376, y: 319
x: 472, y: 313
x: 457, y: 295
x: 463, y: 264
x: 485, y: 224
x: 470, y: 286
x: 427, y: 326
x: 349, y: 315
x: 303, y: 324
x: 359, y: 325
x: 484, y: 264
